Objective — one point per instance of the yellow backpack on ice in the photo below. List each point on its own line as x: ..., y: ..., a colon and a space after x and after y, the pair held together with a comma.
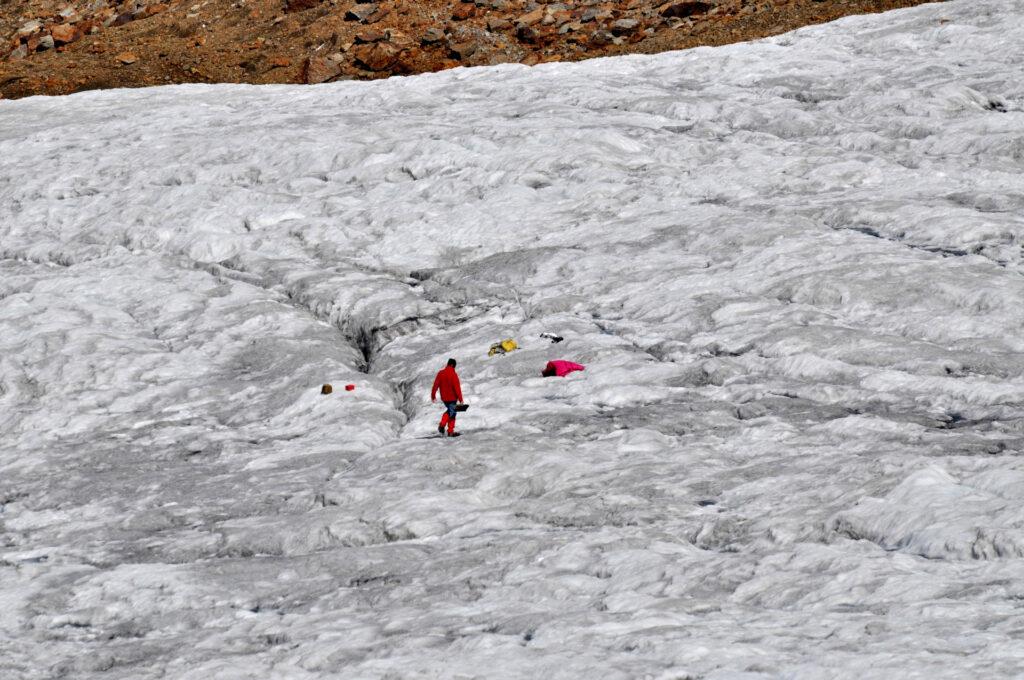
x: 502, y: 347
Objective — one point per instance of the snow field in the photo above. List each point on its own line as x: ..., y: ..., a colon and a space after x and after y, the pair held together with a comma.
x: 792, y: 269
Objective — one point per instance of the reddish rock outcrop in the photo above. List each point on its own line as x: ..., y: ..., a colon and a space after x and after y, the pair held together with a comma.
x: 61, y: 46
x: 683, y: 9
x: 321, y: 69
x: 377, y: 56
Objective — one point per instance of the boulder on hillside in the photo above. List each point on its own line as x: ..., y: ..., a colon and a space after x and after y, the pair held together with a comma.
x: 531, y: 18
x: 399, y: 39
x: 370, y: 35
x: 462, y: 50
x: 596, y: 14
x: 320, y: 69
x: 560, y: 17
x: 684, y: 9
x: 463, y: 12
x: 378, y: 15
x: 527, y: 34
x: 432, y: 36
x: 63, y: 33
x: 29, y: 28
x: 601, y: 38
x: 150, y: 10
x: 625, y: 26
x: 105, y: 17
x: 376, y: 56
x: 299, y: 5
x: 361, y: 13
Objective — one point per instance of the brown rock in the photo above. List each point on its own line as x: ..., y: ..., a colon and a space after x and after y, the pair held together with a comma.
x: 531, y: 18
x: 280, y: 62
x: 151, y: 10
x: 625, y: 26
x: 319, y: 70
x: 462, y: 50
x: 463, y: 12
x: 326, y: 389
x: 376, y: 57
x: 63, y: 33
x: 361, y: 13
x: 126, y: 58
x: 683, y: 9
x: 378, y: 15
x: 601, y: 37
x: 527, y: 34
x: 370, y: 35
x: 596, y: 14
x: 87, y: 27
x: 299, y: 5
x: 399, y: 39
x: 29, y: 28
x: 409, y: 60
x: 432, y: 36
x: 498, y: 24
x: 561, y: 17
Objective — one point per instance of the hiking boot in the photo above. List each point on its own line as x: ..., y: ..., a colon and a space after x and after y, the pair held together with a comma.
x: 454, y: 434
x: 440, y: 429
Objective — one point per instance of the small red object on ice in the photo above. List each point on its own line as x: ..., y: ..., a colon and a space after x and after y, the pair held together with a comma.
x: 349, y: 388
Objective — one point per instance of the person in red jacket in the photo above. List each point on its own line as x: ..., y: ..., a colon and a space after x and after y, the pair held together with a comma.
x: 447, y: 382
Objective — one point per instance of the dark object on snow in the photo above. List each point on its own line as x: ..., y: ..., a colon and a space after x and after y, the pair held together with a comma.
x: 705, y: 503
x: 326, y: 389
x: 461, y: 407
x: 349, y: 388
x: 552, y: 337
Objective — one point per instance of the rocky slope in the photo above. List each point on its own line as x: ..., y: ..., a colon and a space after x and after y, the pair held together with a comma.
x: 59, y: 47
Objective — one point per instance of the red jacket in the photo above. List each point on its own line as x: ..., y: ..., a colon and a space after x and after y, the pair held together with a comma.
x: 447, y: 381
